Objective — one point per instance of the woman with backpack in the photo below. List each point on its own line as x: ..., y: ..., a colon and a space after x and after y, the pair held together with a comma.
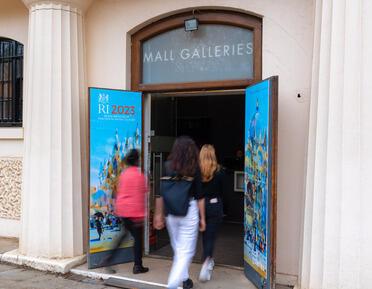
x: 181, y: 206
x: 213, y: 187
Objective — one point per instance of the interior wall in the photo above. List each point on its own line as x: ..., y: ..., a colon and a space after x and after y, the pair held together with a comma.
x: 287, y: 52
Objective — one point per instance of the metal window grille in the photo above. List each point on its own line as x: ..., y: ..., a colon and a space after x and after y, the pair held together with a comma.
x: 11, y: 82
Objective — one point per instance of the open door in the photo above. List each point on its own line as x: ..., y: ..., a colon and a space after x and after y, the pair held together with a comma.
x: 261, y: 126
x: 115, y: 119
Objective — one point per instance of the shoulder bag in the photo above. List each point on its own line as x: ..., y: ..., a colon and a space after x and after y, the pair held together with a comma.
x: 175, y: 191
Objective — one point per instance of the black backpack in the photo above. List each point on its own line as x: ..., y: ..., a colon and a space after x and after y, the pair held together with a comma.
x: 175, y: 191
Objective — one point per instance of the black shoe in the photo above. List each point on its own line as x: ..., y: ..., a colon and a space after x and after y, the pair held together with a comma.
x: 104, y: 262
x: 188, y: 284
x: 109, y: 270
x: 138, y: 269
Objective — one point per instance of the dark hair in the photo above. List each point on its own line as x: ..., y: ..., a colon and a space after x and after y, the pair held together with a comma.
x: 132, y: 157
x: 184, y: 157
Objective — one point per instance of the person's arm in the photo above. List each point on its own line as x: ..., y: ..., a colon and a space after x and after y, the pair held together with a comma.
x: 202, y: 224
x: 159, y: 222
x: 199, y: 195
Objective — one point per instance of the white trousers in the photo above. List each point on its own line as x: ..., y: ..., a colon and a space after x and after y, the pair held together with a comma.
x: 183, y: 232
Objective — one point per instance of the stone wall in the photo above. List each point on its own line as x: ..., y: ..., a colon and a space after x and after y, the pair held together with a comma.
x: 10, y: 188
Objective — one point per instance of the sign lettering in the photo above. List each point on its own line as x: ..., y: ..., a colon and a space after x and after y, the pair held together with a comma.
x: 213, y: 52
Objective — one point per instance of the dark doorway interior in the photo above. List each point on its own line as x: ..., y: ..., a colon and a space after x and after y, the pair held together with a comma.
x: 214, y: 119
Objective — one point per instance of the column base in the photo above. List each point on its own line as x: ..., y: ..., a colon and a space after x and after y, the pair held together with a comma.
x: 286, y: 280
x: 61, y: 266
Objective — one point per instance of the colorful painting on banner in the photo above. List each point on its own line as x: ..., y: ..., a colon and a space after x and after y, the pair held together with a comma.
x: 257, y: 177
x: 115, y: 128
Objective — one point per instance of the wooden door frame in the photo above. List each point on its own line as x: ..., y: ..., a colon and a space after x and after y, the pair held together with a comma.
x: 225, y: 17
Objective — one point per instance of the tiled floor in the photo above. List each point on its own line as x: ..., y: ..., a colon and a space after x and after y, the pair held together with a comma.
x: 228, y: 248
x: 223, y: 278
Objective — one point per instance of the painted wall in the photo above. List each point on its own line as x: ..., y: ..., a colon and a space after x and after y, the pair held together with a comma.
x: 14, y: 25
x: 14, y: 20
x: 287, y: 52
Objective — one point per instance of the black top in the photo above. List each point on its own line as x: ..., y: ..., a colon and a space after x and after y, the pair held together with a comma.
x: 196, y: 188
x: 215, y: 187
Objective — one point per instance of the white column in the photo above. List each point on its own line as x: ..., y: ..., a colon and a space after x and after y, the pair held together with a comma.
x: 52, y: 225
x: 337, y: 251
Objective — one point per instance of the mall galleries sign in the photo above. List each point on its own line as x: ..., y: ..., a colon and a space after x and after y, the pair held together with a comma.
x: 211, y: 53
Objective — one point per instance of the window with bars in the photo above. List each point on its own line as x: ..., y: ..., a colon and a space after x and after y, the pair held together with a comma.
x: 11, y: 82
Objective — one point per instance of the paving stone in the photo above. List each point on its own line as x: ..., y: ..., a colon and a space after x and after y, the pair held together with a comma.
x: 5, y: 267
x: 13, y: 277
x: 74, y: 277
x: 18, y: 274
x: 7, y: 284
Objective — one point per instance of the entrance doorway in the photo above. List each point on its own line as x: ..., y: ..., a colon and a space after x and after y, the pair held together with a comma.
x: 223, y: 53
x: 216, y: 119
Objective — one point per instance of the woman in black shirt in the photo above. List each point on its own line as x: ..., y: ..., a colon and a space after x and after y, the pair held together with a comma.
x: 212, y: 187
x: 183, y: 229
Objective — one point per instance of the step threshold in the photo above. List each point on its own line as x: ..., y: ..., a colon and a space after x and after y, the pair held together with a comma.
x: 119, y: 281
x: 127, y: 284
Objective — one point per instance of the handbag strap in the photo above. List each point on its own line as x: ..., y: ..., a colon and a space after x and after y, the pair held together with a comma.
x: 177, y: 178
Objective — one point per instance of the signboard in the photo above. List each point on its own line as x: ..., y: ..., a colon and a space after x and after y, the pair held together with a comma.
x: 115, y: 128
x: 260, y: 184
x: 211, y: 53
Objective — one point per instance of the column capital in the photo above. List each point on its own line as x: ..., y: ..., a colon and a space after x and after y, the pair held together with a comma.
x: 80, y: 4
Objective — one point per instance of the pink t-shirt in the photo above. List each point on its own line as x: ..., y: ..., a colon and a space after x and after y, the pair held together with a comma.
x: 131, y: 194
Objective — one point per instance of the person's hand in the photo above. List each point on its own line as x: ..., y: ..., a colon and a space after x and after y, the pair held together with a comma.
x: 159, y: 222
x: 202, y: 225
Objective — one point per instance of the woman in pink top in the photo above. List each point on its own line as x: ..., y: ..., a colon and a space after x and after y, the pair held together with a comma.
x: 130, y: 207
x: 131, y: 193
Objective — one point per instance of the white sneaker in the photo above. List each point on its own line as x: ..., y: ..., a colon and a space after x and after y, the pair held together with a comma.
x: 210, y: 268
x: 205, y: 274
x: 211, y: 264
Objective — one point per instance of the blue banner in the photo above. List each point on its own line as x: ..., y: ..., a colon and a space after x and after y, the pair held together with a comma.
x: 115, y: 128
x: 257, y: 178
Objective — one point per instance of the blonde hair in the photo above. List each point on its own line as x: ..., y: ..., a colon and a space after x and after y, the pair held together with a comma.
x: 208, y: 162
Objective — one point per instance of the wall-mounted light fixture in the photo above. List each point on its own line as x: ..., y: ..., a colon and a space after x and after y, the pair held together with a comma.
x: 191, y: 24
